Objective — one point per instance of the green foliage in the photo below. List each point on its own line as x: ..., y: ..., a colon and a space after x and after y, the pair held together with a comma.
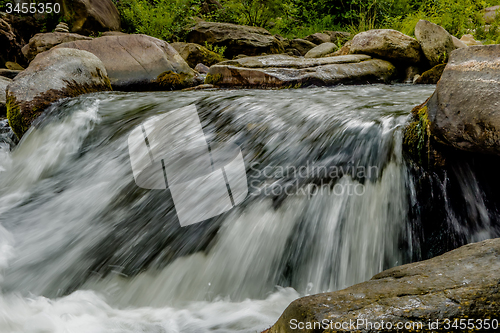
x: 217, y: 49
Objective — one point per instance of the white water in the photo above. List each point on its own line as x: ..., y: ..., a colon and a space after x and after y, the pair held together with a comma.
x: 76, y: 234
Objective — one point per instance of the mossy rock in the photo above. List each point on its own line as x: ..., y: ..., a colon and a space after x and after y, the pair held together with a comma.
x: 431, y: 76
x: 195, y: 54
x: 213, y: 79
x: 173, y: 80
x: 417, y: 135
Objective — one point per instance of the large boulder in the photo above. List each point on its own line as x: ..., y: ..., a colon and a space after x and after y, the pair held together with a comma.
x: 194, y: 54
x: 52, y: 75
x: 287, y: 71
x: 239, y: 39
x: 45, y: 41
x: 91, y: 16
x: 490, y: 14
x: 436, y: 42
x: 460, y: 285
x: 4, y: 82
x: 301, y: 45
x: 463, y: 112
x: 321, y: 50
x: 387, y: 44
x: 138, y: 62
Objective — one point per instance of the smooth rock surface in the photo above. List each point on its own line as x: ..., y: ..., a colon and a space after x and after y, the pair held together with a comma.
x: 135, y: 62
x: 302, y: 45
x: 239, y: 39
x: 194, y: 54
x: 45, y: 41
x: 436, y: 42
x: 458, y: 43
x: 460, y: 284
x: 287, y: 71
x: 387, y: 44
x: 91, y: 16
x: 51, y: 76
x: 321, y: 50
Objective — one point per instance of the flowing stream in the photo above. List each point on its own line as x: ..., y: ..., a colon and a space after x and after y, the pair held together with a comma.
x: 84, y: 249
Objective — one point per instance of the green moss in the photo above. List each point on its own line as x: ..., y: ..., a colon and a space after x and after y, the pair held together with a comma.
x: 172, y: 80
x: 14, y: 116
x: 213, y: 79
x: 417, y: 135
x: 210, y: 58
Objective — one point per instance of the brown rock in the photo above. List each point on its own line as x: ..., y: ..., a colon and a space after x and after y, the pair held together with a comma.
x: 436, y: 42
x: 318, y: 38
x: 91, y: 16
x: 302, y: 45
x: 202, y: 69
x: 45, y: 41
x: 432, y: 76
x: 193, y: 54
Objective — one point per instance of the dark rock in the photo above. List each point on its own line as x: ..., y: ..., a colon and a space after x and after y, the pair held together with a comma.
x: 410, y: 73
x: 45, y: 41
x: 239, y: 39
x: 51, y: 76
x: 91, y: 16
x: 4, y: 82
x: 338, y: 37
x: 9, y: 73
x: 431, y: 76
x: 387, y: 44
x: 286, y: 71
x: 138, y: 62
x: 302, y: 45
x: 435, y: 41
x: 193, y: 54
x: 460, y: 284
x: 201, y: 68
x: 10, y: 44
x: 319, y: 38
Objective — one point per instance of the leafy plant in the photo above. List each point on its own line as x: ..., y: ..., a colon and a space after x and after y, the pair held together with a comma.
x: 217, y: 49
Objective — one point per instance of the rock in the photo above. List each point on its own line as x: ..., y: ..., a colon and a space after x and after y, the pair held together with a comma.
x: 431, y: 76
x: 62, y: 27
x: 321, y: 50
x: 9, y: 73
x: 239, y: 39
x: 200, y: 87
x: 202, y: 69
x: 91, y: 16
x: 285, y: 42
x: 193, y: 54
x: 463, y: 283
x: 318, y: 38
x: 293, y: 52
x: 10, y: 44
x: 51, y: 76
x: 458, y: 43
x: 463, y: 111
x: 112, y: 33
x: 490, y: 14
x: 302, y: 45
x: 469, y: 40
x: 387, y: 44
x: 286, y: 71
x: 410, y: 73
x: 436, y: 42
x: 13, y: 66
x: 338, y: 37
x: 45, y: 41
x: 4, y: 82
x: 138, y: 62
x: 344, y: 50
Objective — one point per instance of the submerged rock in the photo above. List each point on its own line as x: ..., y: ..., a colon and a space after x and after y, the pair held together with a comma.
x: 436, y: 42
x: 387, y: 44
x: 463, y: 283
x: 45, y: 41
x: 51, y: 76
x: 239, y: 39
x: 321, y: 50
x: 138, y: 62
x: 287, y: 71
x: 194, y: 54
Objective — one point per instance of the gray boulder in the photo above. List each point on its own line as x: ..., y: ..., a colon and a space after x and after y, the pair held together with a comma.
x: 91, y: 16
x: 287, y: 71
x: 387, y: 44
x: 321, y: 50
x: 302, y: 45
x: 239, y: 39
x: 45, y: 41
x: 460, y: 284
x: 4, y: 82
x: 138, y: 62
x: 318, y: 38
x: 51, y: 76
x: 436, y: 42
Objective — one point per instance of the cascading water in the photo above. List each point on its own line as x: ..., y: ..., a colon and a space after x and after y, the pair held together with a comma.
x: 84, y: 249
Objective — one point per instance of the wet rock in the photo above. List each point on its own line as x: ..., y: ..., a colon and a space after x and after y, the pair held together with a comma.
x: 201, y: 68
x: 4, y: 82
x: 463, y: 111
x: 138, y: 62
x: 387, y: 44
x: 239, y: 39
x: 302, y: 45
x: 436, y: 42
x: 91, y: 16
x: 286, y: 71
x: 460, y: 284
x: 318, y: 38
x: 51, y: 76
x: 321, y: 50
x: 45, y: 41
x: 469, y: 40
x: 490, y: 14
x: 431, y: 76
x: 194, y: 54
